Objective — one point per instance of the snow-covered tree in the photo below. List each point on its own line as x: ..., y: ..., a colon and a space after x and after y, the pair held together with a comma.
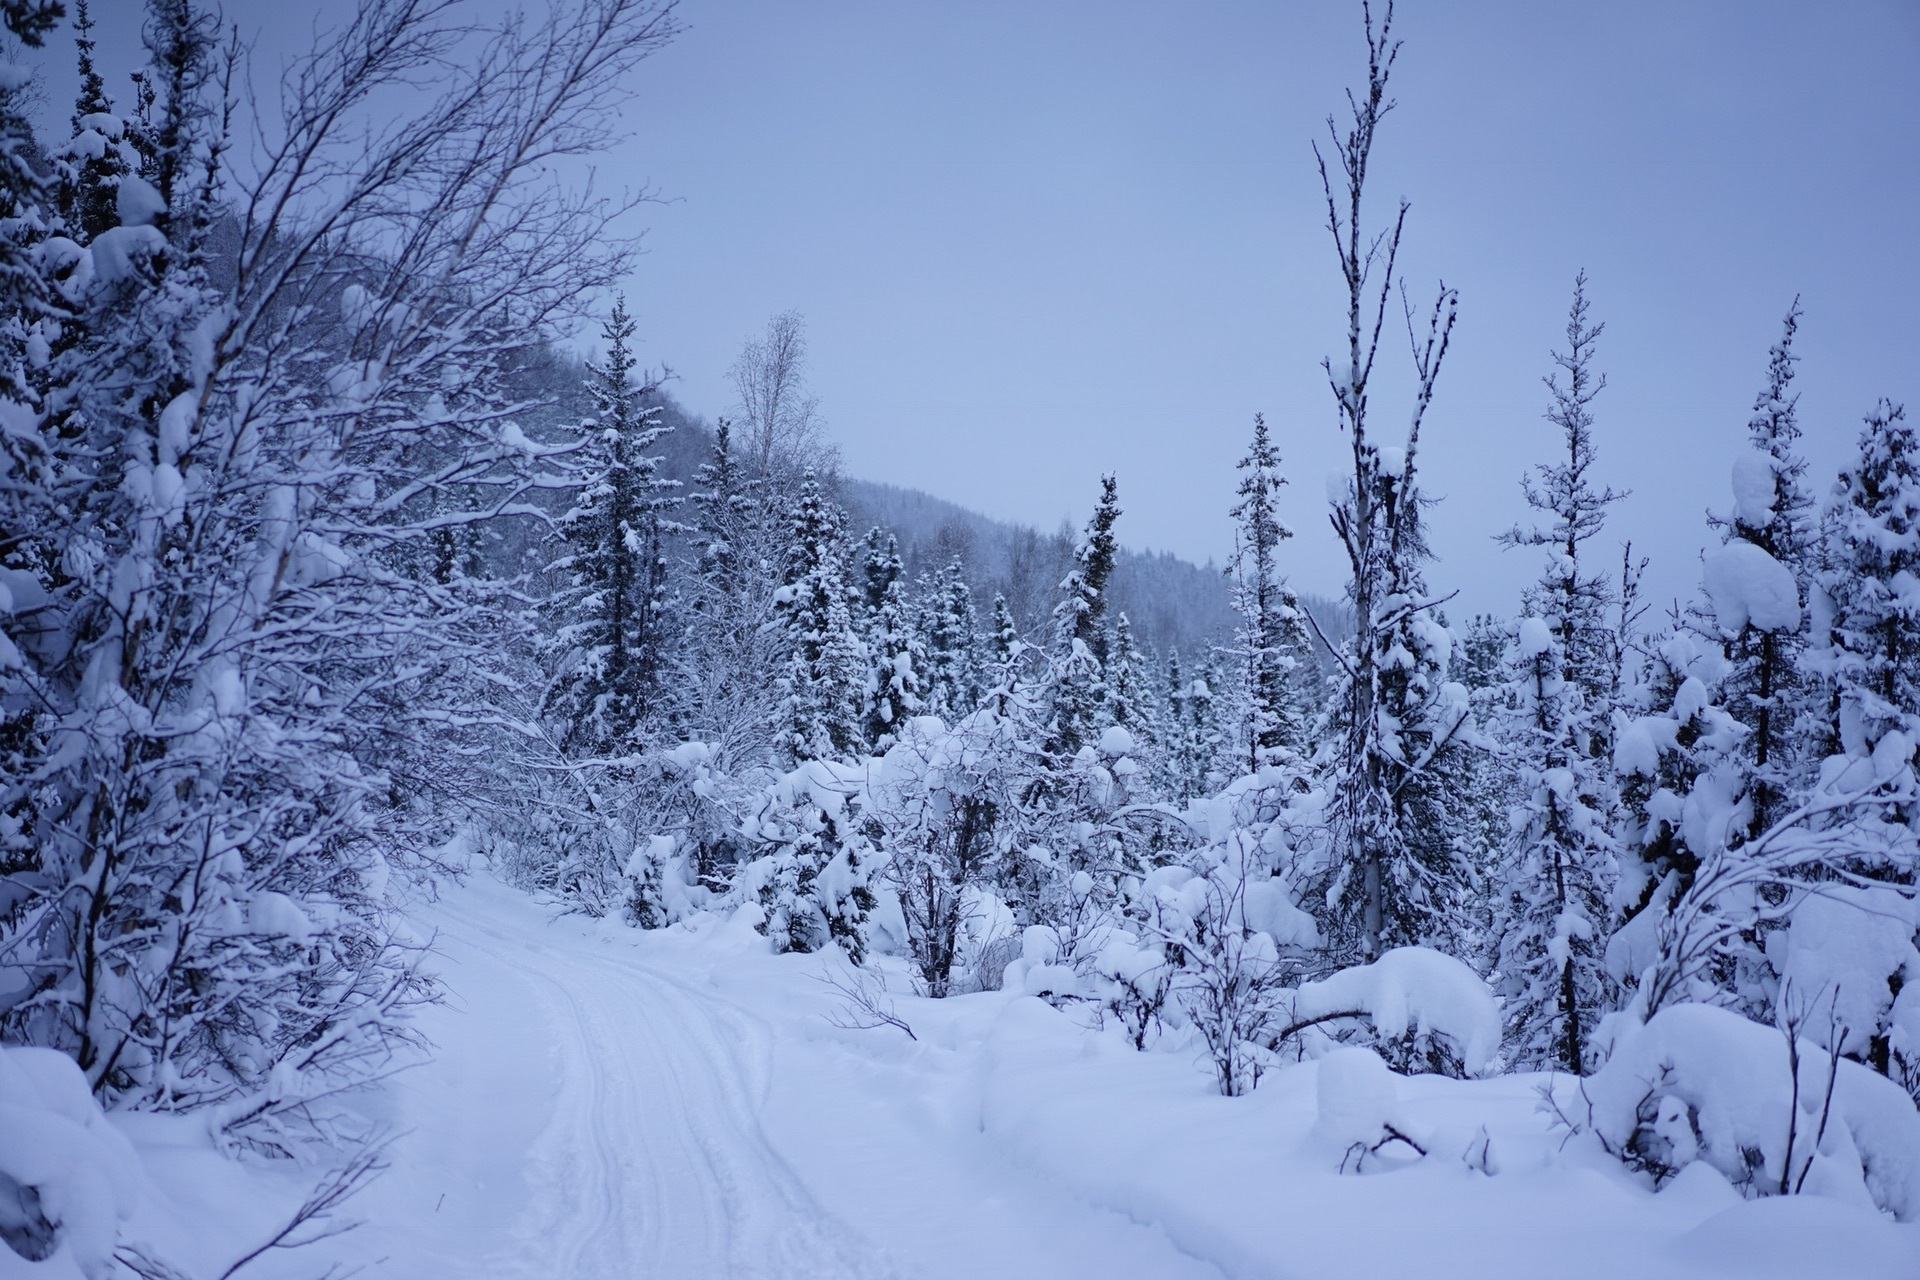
x: 1271, y: 645
x: 1394, y: 714
x: 259, y: 693
x: 721, y: 688
x: 896, y: 686
x: 1557, y: 871
x: 1078, y: 691
x: 1870, y: 560
x: 824, y: 686
x: 1764, y: 636
x: 99, y: 156
x: 953, y: 657
x: 612, y: 634
x: 1681, y: 797
x: 810, y: 862
x: 1193, y: 739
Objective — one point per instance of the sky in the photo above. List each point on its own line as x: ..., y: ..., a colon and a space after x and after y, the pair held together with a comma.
x: 1036, y: 242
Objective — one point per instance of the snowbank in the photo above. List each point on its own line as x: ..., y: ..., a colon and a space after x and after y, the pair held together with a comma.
x: 1697, y: 1083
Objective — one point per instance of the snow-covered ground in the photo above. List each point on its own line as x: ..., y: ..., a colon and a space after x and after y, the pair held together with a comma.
x: 606, y: 1102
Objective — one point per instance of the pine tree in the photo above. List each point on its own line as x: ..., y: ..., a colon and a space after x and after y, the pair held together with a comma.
x: 1773, y: 513
x: 1078, y: 686
x: 896, y: 652
x: 99, y: 157
x: 953, y: 659
x: 1870, y: 558
x: 611, y: 641
x: 1272, y: 642
x: 1558, y: 864
x: 824, y: 687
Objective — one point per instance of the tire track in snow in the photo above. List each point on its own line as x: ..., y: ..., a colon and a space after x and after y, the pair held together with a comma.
x: 654, y: 1160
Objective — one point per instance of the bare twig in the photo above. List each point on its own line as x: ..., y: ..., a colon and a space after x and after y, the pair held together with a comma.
x: 866, y: 1006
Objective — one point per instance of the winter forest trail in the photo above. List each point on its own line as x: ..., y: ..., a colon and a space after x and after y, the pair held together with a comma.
x: 589, y: 1115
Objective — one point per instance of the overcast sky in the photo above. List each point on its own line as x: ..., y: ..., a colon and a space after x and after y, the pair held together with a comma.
x: 1036, y: 241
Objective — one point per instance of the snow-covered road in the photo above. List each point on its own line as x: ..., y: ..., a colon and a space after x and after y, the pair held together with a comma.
x: 604, y: 1102
x: 589, y: 1115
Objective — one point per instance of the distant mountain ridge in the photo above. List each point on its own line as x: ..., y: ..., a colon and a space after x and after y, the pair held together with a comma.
x: 1171, y: 602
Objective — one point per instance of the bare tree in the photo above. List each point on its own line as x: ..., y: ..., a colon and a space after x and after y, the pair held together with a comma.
x: 779, y: 420
x: 1394, y: 726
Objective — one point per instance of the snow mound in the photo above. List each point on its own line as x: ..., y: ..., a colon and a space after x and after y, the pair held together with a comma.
x: 67, y: 1178
x: 1749, y: 587
x: 1700, y: 1083
x: 1357, y: 1097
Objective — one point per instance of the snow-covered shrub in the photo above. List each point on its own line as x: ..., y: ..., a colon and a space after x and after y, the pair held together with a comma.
x: 67, y: 1177
x: 1419, y: 1009
x: 936, y: 799
x: 810, y: 861
x: 687, y: 839
x: 1696, y: 1082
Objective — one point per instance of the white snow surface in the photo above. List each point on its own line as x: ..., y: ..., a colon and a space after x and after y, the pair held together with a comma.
x: 605, y: 1102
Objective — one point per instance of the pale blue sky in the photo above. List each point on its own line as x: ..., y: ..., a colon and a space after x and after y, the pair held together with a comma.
x: 1035, y: 241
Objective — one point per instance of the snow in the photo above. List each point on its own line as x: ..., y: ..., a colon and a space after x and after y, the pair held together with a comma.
x: 1414, y: 989
x: 1755, y: 490
x: 136, y: 202
x: 1535, y: 638
x: 1847, y: 951
x: 1357, y: 1095
x: 67, y: 1178
x: 1748, y: 587
x: 117, y: 251
x: 1698, y: 1083
x: 679, y: 1103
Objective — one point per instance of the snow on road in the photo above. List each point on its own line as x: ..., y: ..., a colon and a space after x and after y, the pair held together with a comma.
x: 589, y: 1115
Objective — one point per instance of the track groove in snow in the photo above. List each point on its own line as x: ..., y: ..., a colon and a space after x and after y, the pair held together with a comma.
x: 653, y: 1163
x: 589, y: 1114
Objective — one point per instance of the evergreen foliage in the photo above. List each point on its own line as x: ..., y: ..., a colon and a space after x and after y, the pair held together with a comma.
x: 611, y: 632
x: 1557, y: 868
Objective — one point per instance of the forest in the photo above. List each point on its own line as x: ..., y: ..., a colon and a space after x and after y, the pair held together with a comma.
x: 332, y: 577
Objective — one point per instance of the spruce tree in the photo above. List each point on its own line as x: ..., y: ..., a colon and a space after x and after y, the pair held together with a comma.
x: 100, y: 156
x: 896, y: 652
x: 1870, y: 560
x: 611, y: 640
x: 1078, y: 685
x: 824, y: 688
x: 953, y: 659
x: 1558, y: 863
x: 1773, y: 513
x: 1272, y: 643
